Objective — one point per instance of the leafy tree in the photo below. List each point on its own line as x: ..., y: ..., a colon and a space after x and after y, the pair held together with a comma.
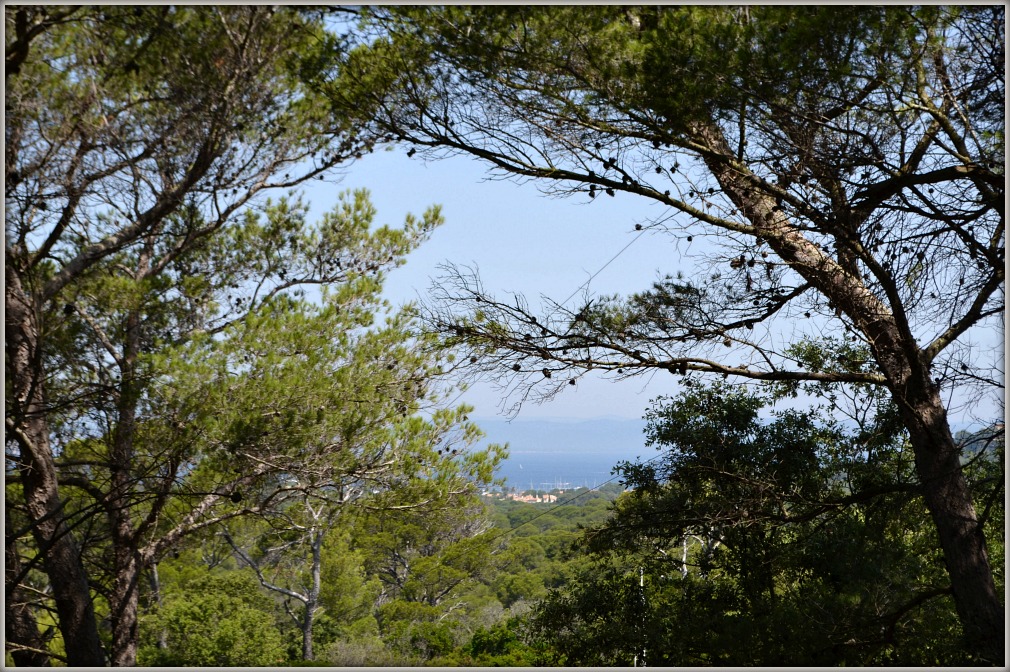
x: 788, y: 536
x: 392, y: 466
x: 520, y: 577
x: 595, y: 621
x: 499, y: 646
x: 427, y: 555
x: 139, y: 144
x: 349, y: 593
x: 415, y: 631
x: 192, y: 469
x: 844, y: 167
x: 429, y: 561
x: 219, y: 619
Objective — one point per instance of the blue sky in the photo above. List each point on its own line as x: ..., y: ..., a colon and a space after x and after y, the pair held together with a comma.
x: 524, y: 242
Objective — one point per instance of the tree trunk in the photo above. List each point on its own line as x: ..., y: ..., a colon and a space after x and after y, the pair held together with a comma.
x: 127, y: 561
x: 156, y: 598
x: 61, y: 555
x: 123, y: 605
x: 316, y: 541
x: 307, y: 623
x: 909, y: 380
x: 949, y: 501
x: 20, y: 626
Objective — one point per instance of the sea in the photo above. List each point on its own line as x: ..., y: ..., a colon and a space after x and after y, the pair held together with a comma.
x: 565, y: 454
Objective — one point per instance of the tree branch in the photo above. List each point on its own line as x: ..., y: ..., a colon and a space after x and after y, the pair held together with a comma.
x: 259, y: 572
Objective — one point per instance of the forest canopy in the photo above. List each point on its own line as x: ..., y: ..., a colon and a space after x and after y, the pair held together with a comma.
x: 846, y: 163
x: 189, y: 358
x: 213, y: 419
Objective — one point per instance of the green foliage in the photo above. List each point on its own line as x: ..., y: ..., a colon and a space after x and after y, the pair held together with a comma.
x: 500, y: 646
x: 799, y: 588
x: 729, y: 467
x: 218, y: 619
x: 348, y: 592
x: 771, y: 533
x: 597, y: 621
x: 181, y: 350
x: 415, y: 630
x: 370, y: 615
x: 143, y: 144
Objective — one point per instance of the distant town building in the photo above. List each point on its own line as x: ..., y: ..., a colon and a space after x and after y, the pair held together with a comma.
x: 525, y: 497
